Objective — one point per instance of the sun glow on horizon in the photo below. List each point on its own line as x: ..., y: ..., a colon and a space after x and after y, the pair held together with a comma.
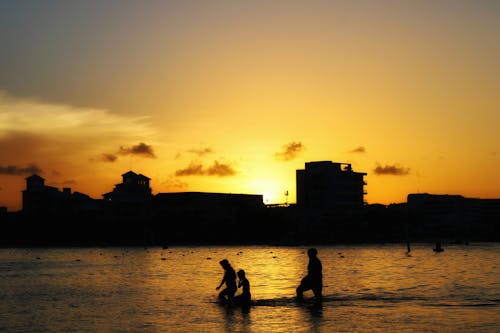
x: 213, y: 97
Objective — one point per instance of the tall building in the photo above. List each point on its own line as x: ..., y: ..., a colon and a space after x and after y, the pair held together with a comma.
x: 327, y: 185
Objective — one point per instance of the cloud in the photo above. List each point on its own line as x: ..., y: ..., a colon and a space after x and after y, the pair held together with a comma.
x: 140, y: 149
x: 194, y: 169
x: 66, y: 182
x: 359, y: 149
x: 55, y: 173
x: 108, y: 158
x: 174, y: 184
x: 55, y: 120
x: 54, y: 130
x: 221, y: 170
x: 216, y: 169
x: 290, y: 151
x: 391, y: 170
x: 14, y: 170
x: 201, y: 152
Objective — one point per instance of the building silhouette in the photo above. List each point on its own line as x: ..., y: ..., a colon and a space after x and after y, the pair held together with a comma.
x: 454, y: 216
x: 329, y: 186
x: 41, y: 200
x: 211, y: 217
x: 330, y: 208
x: 129, y: 199
x: 133, y: 189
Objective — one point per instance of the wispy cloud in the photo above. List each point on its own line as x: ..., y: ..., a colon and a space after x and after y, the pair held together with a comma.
x: 15, y: 170
x: 391, y: 170
x: 289, y: 151
x: 140, y: 149
x: 216, y: 169
x: 200, y: 152
x: 31, y: 129
x: 67, y: 182
x: 360, y: 150
x: 174, y: 184
x: 53, y: 120
x: 108, y: 157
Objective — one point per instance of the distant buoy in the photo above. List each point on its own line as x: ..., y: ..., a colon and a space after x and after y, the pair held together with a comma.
x: 438, y: 247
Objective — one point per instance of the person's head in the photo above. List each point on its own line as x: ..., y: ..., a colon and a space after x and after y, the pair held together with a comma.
x: 241, y: 274
x: 224, y: 263
x: 312, y: 252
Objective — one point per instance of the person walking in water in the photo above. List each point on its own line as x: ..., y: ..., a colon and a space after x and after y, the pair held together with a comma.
x: 227, y: 295
x: 314, y: 278
x: 244, y: 298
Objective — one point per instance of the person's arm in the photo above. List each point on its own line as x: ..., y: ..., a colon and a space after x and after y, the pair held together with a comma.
x: 222, y: 282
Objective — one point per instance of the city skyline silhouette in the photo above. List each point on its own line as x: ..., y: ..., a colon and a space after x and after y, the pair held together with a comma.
x: 218, y: 97
x: 331, y: 210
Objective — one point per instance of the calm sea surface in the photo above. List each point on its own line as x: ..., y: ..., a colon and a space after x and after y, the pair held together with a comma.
x: 367, y: 289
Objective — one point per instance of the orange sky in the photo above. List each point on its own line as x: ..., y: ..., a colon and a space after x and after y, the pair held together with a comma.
x: 229, y: 96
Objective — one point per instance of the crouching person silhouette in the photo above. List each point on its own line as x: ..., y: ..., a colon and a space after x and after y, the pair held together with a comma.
x: 244, y: 299
x: 226, y: 296
x: 314, y: 278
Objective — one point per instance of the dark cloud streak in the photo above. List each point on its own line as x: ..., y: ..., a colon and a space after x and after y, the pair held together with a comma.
x: 220, y: 169
x: 14, y: 170
x: 290, y: 151
x: 360, y: 150
x: 194, y: 169
x: 201, y: 152
x: 108, y: 158
x: 140, y: 149
x: 216, y: 169
x: 391, y: 170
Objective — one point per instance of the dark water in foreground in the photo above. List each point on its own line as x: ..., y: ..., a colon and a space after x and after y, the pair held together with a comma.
x: 368, y: 289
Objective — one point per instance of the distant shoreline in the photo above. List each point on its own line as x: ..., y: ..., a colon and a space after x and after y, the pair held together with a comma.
x: 275, y: 244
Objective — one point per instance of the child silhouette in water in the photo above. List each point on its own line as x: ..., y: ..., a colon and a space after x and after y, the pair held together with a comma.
x: 245, y: 297
x: 227, y: 295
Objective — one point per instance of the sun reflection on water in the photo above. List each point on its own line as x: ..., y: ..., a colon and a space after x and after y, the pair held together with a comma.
x: 366, y: 288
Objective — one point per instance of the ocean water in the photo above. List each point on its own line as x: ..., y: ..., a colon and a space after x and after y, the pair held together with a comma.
x: 368, y: 288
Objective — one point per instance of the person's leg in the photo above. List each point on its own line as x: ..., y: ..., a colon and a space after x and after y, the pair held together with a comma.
x: 304, y: 286
x: 317, y: 290
x: 222, y: 295
x: 230, y: 296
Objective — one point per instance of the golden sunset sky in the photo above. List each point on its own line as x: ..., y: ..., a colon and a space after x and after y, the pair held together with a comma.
x: 234, y: 96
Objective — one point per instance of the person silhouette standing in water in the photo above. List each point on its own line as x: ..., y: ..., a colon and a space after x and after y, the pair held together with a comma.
x: 314, y: 278
x: 227, y: 295
x: 244, y: 298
